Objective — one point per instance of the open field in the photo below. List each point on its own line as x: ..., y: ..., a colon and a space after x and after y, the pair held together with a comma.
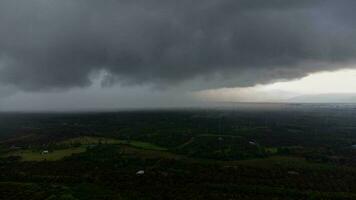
x: 144, y: 145
x: 79, y: 145
x: 282, y: 162
x: 30, y: 155
x: 86, y: 140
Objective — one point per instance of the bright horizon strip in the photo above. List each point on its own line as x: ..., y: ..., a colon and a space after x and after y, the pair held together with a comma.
x: 342, y: 81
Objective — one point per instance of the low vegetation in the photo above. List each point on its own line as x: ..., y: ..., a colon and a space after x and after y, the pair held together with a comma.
x: 183, y: 154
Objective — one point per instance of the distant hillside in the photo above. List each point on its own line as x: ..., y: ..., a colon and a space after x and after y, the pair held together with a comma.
x: 325, y: 98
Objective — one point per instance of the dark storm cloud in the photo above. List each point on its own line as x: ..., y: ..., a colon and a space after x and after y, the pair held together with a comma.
x: 47, y: 44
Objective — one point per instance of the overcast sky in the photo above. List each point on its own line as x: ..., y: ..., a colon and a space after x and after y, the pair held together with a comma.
x: 79, y: 54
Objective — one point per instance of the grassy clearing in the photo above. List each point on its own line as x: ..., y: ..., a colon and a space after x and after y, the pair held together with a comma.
x: 29, y: 155
x: 145, y: 145
x: 284, y: 162
x: 96, y: 140
x: 35, y: 155
x: 145, y: 153
x: 219, y: 135
x: 86, y: 140
x: 271, y: 150
x: 193, y: 139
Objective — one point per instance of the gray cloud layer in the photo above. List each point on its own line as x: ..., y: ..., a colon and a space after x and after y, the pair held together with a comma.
x: 46, y: 44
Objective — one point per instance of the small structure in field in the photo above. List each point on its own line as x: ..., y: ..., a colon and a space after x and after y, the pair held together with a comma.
x: 14, y: 147
x: 293, y: 173
x: 140, y: 172
x: 252, y: 143
x: 44, y: 152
